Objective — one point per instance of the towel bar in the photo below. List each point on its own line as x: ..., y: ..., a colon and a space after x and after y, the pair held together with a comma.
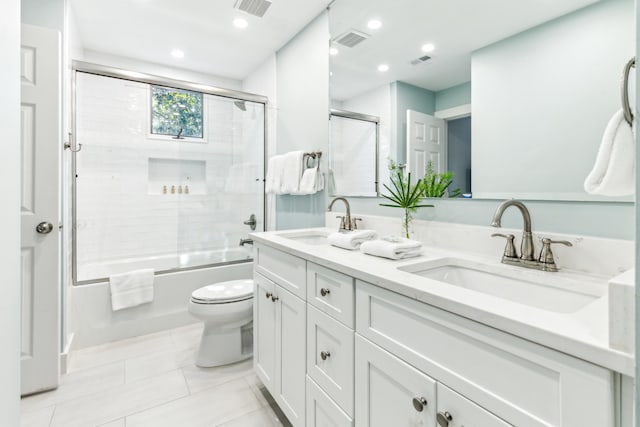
x: 626, y: 108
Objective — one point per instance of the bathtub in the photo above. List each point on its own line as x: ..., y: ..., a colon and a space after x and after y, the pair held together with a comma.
x: 92, y: 321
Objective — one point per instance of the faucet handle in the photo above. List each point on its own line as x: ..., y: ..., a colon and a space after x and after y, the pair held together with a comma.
x: 546, y: 256
x: 510, y: 248
x: 354, y: 223
x: 343, y: 224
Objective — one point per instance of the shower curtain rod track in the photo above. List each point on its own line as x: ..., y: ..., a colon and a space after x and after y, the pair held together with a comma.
x: 119, y: 73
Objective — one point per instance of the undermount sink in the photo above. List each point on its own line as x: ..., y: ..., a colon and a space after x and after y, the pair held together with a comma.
x: 310, y: 237
x: 535, y: 289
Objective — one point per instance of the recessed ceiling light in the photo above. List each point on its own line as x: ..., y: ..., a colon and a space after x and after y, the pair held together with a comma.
x: 383, y: 67
x: 428, y: 47
x: 333, y: 51
x: 177, y: 53
x: 374, y: 24
x: 240, y: 22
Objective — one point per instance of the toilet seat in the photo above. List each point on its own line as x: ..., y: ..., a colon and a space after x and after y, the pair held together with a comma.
x: 225, y: 292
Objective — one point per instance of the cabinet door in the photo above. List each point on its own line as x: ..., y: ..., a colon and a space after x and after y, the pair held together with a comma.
x: 456, y: 411
x: 291, y: 346
x: 264, y: 331
x: 330, y: 357
x: 322, y: 411
x: 390, y: 392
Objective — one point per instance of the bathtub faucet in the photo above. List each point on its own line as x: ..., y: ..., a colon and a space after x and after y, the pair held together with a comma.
x: 246, y: 242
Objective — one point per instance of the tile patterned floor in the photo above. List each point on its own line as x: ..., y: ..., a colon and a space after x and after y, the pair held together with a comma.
x: 151, y: 381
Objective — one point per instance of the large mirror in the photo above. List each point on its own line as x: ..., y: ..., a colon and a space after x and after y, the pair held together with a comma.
x: 520, y: 90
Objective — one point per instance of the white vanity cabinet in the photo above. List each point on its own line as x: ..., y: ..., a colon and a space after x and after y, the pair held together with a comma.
x: 522, y: 383
x: 280, y: 330
x: 335, y: 351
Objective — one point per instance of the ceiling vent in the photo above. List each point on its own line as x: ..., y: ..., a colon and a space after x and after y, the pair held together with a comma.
x: 253, y: 7
x: 351, y: 38
x: 421, y: 60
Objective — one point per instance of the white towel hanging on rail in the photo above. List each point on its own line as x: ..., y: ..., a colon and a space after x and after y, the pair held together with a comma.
x: 614, y: 172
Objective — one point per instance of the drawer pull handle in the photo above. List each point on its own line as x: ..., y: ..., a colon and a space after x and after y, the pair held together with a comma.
x: 444, y: 418
x: 419, y: 403
x: 325, y: 291
x: 324, y: 355
x: 268, y: 295
x: 274, y: 298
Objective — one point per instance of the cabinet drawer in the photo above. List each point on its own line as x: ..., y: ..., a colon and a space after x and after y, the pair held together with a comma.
x: 322, y: 411
x: 386, y: 388
x: 521, y: 382
x: 330, y: 357
x: 462, y: 412
x: 331, y: 292
x: 286, y: 270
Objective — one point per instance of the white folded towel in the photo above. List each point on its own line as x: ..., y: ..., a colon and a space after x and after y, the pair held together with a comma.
x: 352, y: 239
x: 308, y: 182
x: 292, y: 172
x: 392, y: 247
x: 275, y: 170
x: 614, y: 171
x: 131, y: 289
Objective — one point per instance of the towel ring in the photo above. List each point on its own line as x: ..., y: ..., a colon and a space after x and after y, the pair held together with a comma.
x: 626, y: 108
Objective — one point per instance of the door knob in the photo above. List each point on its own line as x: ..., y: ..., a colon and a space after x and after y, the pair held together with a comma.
x: 325, y: 291
x: 444, y: 418
x: 44, y: 227
x: 324, y: 355
x: 419, y: 403
x: 274, y: 298
x: 268, y: 295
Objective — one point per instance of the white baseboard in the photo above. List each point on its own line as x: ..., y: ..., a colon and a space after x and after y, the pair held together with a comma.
x: 64, y: 356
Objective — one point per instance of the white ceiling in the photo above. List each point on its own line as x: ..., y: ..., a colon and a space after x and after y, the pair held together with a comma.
x: 149, y: 29
x: 455, y: 27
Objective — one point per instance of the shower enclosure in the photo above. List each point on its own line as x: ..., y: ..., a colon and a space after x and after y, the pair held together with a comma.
x: 168, y: 174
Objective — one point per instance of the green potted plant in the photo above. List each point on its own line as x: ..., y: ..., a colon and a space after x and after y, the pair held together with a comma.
x: 403, y: 195
x: 436, y: 184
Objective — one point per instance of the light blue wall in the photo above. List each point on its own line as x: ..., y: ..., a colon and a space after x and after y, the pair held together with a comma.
x: 542, y: 99
x: 453, y: 96
x: 603, y: 219
x: 407, y: 97
x: 302, y: 73
x: 44, y: 13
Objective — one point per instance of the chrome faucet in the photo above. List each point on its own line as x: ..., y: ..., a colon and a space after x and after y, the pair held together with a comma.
x: 545, y: 261
x: 526, y: 247
x: 346, y: 223
x: 246, y: 242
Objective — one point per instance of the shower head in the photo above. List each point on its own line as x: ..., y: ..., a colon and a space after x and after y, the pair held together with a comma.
x: 241, y: 105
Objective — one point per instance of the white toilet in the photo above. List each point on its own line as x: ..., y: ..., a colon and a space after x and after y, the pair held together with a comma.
x: 226, y: 308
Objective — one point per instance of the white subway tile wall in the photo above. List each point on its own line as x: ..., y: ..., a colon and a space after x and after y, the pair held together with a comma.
x: 121, y: 215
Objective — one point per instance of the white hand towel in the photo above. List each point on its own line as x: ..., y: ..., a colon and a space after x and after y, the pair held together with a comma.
x: 131, y: 289
x: 308, y: 182
x: 319, y: 180
x: 351, y: 240
x: 614, y: 171
x: 292, y: 172
x: 392, y: 247
x: 275, y: 169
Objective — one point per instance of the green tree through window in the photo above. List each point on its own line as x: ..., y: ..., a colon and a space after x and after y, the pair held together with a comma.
x: 176, y: 112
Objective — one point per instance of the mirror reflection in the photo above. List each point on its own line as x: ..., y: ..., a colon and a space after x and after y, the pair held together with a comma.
x: 523, y: 91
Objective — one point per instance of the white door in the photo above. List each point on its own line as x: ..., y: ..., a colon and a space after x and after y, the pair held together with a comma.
x: 426, y: 141
x: 40, y: 134
x: 389, y: 392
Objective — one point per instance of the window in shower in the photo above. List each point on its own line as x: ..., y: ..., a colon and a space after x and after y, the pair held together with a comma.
x: 147, y: 202
x: 176, y: 112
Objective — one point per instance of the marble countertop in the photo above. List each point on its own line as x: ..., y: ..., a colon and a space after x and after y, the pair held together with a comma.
x: 583, y: 333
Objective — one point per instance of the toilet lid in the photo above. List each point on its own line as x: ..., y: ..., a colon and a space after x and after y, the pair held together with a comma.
x: 233, y: 290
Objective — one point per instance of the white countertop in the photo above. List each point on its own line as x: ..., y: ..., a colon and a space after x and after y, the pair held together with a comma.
x: 583, y: 334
